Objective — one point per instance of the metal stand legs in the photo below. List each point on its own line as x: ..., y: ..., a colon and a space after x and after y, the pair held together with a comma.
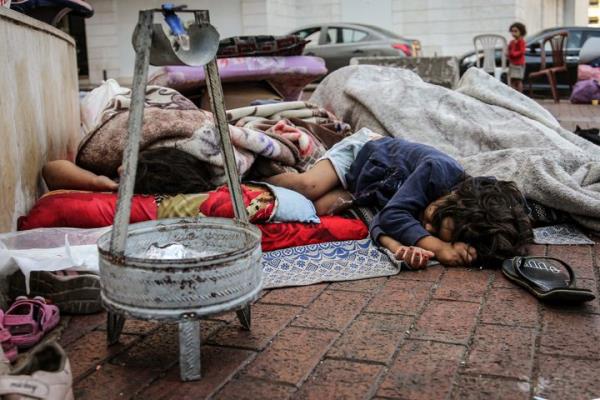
x: 189, y: 350
x: 114, y: 327
x: 245, y: 317
x: 189, y: 340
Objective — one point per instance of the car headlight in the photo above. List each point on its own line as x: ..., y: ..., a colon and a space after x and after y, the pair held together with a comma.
x: 470, y: 59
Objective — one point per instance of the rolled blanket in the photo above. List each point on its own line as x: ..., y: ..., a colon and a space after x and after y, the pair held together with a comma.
x: 171, y: 120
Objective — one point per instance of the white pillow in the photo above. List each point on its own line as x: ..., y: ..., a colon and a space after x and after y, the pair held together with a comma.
x: 291, y: 206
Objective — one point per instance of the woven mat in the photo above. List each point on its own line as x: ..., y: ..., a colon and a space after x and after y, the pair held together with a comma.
x: 326, y: 262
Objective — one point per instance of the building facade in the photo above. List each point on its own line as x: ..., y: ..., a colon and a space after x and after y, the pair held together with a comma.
x: 594, y: 13
x: 443, y: 27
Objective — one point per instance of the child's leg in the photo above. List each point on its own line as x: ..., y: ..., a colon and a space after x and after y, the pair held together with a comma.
x: 314, y: 183
x: 333, y: 202
x: 516, y: 84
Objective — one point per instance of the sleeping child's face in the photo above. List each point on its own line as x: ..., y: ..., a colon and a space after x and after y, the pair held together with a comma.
x: 446, y: 227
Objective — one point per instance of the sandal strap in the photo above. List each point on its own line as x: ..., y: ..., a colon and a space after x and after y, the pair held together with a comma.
x: 38, y: 300
x: 518, y: 262
x: 46, y: 312
x: 5, y: 336
x: 23, y: 385
x: 19, y: 320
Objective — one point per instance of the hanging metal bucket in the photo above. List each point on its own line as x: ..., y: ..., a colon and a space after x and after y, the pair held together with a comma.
x: 180, y: 289
x: 169, y: 289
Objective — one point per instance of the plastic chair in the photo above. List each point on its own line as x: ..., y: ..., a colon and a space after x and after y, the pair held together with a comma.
x: 558, y: 41
x: 487, y: 45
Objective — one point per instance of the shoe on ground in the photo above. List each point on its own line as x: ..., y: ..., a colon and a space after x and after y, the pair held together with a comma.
x: 72, y: 292
x: 46, y: 375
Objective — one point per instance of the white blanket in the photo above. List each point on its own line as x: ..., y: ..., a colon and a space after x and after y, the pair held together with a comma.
x: 490, y: 128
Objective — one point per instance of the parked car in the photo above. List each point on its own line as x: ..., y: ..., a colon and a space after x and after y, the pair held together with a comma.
x: 337, y: 43
x: 577, y: 37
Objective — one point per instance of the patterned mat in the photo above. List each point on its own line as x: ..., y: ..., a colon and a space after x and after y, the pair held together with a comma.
x: 334, y: 261
x: 560, y: 234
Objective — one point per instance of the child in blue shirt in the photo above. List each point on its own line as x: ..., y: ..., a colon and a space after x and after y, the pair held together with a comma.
x: 428, y: 206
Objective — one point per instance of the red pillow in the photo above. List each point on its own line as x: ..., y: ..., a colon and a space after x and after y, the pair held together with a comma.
x: 83, y: 210
x: 94, y: 210
x: 291, y: 234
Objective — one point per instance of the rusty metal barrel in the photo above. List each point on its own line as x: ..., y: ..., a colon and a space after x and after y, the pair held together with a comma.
x: 228, y: 277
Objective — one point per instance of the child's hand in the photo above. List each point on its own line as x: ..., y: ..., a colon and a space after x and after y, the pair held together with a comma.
x: 414, y: 257
x: 456, y: 254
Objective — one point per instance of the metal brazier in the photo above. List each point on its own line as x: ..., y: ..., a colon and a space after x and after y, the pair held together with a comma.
x: 167, y: 289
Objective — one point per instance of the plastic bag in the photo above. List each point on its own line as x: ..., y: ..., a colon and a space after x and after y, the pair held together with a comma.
x: 585, y: 91
x: 173, y: 251
x: 49, y: 249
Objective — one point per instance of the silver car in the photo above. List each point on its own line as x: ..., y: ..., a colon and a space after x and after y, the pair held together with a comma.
x: 337, y: 43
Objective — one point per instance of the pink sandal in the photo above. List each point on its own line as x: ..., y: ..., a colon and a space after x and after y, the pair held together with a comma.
x: 8, y: 346
x: 28, y: 320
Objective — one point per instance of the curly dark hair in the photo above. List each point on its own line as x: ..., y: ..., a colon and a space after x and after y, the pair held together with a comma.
x: 167, y: 170
x: 489, y: 215
x: 520, y: 27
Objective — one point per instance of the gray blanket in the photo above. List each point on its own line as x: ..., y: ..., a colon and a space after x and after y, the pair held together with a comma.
x: 490, y: 128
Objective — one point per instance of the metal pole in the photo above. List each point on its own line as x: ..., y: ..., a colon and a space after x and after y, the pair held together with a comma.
x: 142, y: 40
x: 215, y: 94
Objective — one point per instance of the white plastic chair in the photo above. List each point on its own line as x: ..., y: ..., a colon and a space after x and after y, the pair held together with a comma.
x: 487, y: 45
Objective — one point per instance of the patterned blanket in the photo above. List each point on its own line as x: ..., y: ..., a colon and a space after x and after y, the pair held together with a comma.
x: 171, y: 120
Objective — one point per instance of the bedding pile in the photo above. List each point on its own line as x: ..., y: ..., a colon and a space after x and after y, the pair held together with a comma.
x: 268, y: 139
x: 171, y: 120
x: 490, y: 128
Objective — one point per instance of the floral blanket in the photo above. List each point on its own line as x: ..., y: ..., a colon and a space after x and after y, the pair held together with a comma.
x: 171, y: 120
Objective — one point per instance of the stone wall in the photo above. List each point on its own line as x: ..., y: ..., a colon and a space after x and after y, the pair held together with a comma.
x: 39, y: 108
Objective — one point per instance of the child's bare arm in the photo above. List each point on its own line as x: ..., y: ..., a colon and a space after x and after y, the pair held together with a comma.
x: 63, y: 174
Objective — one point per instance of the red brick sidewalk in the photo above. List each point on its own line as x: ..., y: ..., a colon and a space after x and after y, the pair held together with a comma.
x: 440, y: 333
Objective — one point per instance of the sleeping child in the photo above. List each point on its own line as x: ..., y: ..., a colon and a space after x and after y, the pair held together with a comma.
x: 429, y: 207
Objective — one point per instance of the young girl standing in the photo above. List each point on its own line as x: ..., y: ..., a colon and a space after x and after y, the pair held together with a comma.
x: 516, y: 56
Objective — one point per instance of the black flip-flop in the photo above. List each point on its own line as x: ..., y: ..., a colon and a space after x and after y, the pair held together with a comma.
x: 549, y: 279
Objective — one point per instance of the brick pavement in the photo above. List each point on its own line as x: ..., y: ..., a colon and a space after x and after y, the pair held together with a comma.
x: 437, y: 334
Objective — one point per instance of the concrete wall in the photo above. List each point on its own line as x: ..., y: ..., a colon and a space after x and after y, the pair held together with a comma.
x: 444, y: 27
x: 575, y: 12
x: 448, y: 27
x: 593, y: 11
x: 541, y: 14
x: 39, y: 108
x: 317, y: 12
